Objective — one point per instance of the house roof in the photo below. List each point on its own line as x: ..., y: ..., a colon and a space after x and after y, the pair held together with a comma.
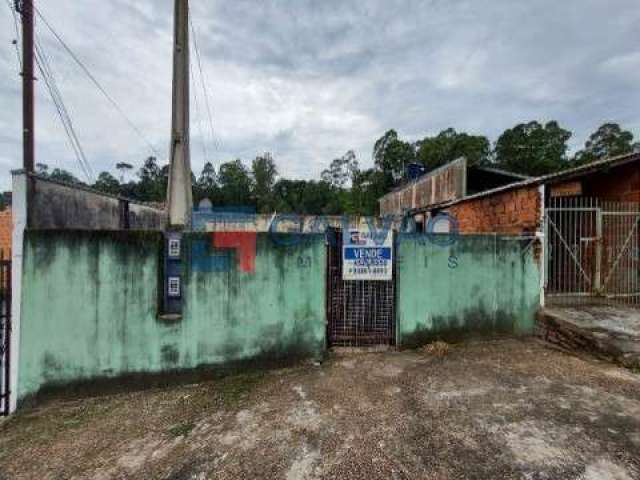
x: 569, y: 174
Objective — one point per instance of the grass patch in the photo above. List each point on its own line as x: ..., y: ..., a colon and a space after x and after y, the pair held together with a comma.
x: 182, y: 429
x: 235, y: 389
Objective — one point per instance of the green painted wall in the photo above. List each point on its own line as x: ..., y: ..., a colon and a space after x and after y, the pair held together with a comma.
x: 482, y: 284
x: 90, y: 301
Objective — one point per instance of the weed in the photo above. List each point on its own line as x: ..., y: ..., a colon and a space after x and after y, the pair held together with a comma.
x: 182, y: 429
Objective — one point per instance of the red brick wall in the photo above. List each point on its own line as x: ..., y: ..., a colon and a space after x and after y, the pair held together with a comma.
x: 621, y: 184
x: 5, y: 231
x: 512, y: 212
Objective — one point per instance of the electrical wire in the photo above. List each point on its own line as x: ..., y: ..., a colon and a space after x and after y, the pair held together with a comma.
x: 47, y: 74
x: 17, y: 39
x: 95, y: 81
x: 202, y: 80
x: 198, y: 117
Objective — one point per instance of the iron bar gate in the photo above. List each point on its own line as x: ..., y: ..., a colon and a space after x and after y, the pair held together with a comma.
x: 592, y: 251
x: 5, y: 332
x: 359, y: 312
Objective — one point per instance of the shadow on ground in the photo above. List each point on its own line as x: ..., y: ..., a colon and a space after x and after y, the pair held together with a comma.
x: 501, y: 409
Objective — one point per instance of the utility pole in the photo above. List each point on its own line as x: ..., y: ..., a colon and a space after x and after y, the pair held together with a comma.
x: 28, y: 123
x: 180, y: 201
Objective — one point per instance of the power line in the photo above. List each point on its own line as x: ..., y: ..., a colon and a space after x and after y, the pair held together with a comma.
x: 198, y: 117
x: 17, y: 39
x: 202, y: 79
x: 93, y: 79
x: 46, y: 71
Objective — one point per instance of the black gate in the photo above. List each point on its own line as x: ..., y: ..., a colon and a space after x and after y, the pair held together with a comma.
x: 359, y: 312
x: 5, y: 331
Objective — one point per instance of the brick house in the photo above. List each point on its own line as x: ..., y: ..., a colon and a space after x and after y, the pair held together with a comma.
x: 587, y: 221
x: 518, y: 208
x: 5, y: 232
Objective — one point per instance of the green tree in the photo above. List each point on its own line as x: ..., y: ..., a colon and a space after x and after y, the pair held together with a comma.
x: 264, y: 174
x: 533, y: 149
x: 206, y: 185
x: 107, y: 183
x: 235, y: 183
x: 341, y: 170
x: 123, y: 167
x: 42, y: 169
x: 391, y: 155
x: 450, y: 145
x: 63, y: 175
x: 152, y: 186
x: 367, y: 187
x: 609, y: 140
x: 307, y: 197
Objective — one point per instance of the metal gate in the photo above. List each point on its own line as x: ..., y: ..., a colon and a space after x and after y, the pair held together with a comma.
x: 592, y: 251
x: 5, y: 332
x: 359, y: 312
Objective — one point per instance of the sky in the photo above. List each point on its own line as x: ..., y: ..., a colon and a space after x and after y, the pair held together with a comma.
x: 309, y: 80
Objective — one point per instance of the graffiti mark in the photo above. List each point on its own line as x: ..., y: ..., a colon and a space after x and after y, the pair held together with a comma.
x: 243, y: 242
x: 205, y: 259
x: 453, y: 262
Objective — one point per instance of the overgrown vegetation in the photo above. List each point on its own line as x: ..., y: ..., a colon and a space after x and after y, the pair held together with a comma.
x: 530, y: 148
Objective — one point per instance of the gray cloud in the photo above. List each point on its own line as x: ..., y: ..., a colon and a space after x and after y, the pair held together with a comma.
x: 309, y: 80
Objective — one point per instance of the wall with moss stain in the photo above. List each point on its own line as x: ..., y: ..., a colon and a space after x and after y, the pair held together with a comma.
x: 90, y: 303
x: 483, y: 284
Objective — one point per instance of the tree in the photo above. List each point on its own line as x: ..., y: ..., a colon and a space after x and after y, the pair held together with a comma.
x: 107, y: 183
x: 450, y: 145
x: 533, y: 149
x: 341, y: 170
x: 264, y: 174
x: 235, y: 183
x: 63, y: 175
x: 391, y: 155
x: 367, y: 187
x: 42, y: 169
x: 306, y: 197
x: 609, y: 140
x: 206, y: 185
x: 152, y: 186
x: 123, y: 167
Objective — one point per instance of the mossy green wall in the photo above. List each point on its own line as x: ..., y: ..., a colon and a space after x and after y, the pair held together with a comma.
x: 90, y: 302
x: 482, y: 284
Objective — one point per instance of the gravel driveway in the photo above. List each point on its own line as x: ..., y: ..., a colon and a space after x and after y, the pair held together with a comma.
x: 495, y: 409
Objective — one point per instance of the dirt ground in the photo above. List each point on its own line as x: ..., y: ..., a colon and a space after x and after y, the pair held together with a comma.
x: 498, y: 409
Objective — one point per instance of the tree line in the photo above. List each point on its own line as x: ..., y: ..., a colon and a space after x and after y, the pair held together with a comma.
x: 344, y: 187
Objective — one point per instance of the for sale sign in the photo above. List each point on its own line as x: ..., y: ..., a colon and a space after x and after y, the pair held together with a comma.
x: 367, y: 255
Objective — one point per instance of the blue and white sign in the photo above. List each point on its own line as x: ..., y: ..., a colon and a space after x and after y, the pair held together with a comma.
x: 366, y: 256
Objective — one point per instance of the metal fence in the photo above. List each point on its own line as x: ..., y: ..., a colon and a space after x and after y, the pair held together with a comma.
x: 5, y: 330
x: 359, y: 312
x: 592, y: 254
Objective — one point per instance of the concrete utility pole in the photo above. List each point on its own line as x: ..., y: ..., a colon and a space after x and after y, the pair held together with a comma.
x: 180, y: 201
x: 28, y: 123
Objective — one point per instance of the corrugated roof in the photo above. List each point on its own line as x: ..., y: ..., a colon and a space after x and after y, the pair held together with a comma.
x: 563, y: 175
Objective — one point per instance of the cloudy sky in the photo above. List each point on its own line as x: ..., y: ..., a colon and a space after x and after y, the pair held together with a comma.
x: 308, y: 80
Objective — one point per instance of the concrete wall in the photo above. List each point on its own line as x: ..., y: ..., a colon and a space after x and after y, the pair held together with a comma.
x: 481, y: 285
x: 90, y: 304
x: 512, y: 212
x: 56, y: 205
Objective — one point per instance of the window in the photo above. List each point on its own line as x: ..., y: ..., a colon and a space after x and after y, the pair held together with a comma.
x: 173, y: 286
x: 174, y: 247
